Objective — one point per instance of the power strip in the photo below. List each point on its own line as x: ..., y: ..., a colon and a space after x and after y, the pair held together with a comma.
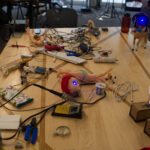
x: 63, y: 56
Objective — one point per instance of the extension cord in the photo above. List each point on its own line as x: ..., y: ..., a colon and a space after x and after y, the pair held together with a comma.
x: 63, y: 56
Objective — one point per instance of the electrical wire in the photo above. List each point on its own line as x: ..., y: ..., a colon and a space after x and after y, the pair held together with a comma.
x: 123, y: 89
x: 64, y: 96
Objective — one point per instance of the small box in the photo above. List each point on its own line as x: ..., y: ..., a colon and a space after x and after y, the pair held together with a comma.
x: 147, y: 127
x: 139, y: 111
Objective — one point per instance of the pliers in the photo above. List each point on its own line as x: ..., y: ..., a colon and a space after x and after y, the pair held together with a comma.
x: 31, y: 129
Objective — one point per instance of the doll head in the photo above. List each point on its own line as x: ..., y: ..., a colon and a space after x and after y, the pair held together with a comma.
x: 70, y: 85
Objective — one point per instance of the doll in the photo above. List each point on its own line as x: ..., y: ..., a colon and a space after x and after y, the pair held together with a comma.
x: 140, y: 22
x: 70, y: 82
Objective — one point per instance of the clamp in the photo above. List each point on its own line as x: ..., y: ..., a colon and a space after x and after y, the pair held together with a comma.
x: 72, y: 53
x: 31, y: 129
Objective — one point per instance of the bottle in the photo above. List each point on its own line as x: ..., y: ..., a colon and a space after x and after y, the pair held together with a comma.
x: 125, y: 23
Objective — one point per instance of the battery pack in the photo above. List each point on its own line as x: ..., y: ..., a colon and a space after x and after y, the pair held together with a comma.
x: 139, y: 111
x: 147, y: 127
x: 73, y: 111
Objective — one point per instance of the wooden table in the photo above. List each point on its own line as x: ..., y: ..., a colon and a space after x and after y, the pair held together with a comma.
x: 105, y: 125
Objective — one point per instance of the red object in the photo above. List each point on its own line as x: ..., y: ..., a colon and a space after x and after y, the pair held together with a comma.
x: 53, y: 47
x: 13, y: 45
x: 64, y: 83
x: 125, y: 23
x: 145, y: 148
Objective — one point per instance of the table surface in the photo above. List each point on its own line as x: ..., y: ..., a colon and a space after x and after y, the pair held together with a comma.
x: 105, y: 125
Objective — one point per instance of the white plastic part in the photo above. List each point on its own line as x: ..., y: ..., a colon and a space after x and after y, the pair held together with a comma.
x: 63, y: 56
x: 10, y: 122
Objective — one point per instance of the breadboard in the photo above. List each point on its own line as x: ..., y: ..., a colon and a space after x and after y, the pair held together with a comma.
x: 63, y: 56
x: 10, y: 122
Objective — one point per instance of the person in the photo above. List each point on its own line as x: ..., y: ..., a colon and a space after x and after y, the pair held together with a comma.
x: 146, y: 10
x: 70, y: 81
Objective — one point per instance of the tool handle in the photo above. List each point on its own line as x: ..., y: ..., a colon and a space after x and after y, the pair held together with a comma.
x: 27, y: 133
x: 34, y: 135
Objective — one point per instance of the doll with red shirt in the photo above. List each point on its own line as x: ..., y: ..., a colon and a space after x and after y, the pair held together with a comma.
x: 70, y: 82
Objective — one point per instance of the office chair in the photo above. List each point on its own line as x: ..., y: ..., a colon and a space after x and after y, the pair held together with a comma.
x: 61, y: 17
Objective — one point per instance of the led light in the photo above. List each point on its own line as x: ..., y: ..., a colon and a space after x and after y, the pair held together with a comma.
x: 75, y: 83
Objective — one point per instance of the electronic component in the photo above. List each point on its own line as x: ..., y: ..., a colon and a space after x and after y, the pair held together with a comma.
x: 10, y: 122
x: 63, y: 56
x: 73, y: 111
x: 40, y: 70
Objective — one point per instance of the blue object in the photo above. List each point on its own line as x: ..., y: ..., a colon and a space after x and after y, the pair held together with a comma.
x: 75, y: 83
x: 40, y: 70
x: 27, y: 133
x: 31, y: 130
x: 34, y: 135
x: 72, y: 53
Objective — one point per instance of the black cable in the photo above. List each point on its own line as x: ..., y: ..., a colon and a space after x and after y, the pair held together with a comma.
x: 65, y: 96
x: 22, y: 123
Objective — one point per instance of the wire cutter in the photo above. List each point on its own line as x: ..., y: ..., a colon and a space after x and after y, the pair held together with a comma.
x: 31, y: 129
x: 72, y: 53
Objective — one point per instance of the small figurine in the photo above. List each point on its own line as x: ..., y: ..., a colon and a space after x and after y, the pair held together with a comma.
x: 94, y: 30
x: 70, y: 80
x: 140, y: 22
x: 35, y: 39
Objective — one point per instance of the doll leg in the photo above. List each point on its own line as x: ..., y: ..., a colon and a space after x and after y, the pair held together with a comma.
x: 137, y: 46
x: 134, y: 42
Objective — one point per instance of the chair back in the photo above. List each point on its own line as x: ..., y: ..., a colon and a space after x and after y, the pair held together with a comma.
x: 61, y: 17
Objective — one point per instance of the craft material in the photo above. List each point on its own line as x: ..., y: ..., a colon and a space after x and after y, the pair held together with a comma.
x: 63, y: 56
x: 8, y: 92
